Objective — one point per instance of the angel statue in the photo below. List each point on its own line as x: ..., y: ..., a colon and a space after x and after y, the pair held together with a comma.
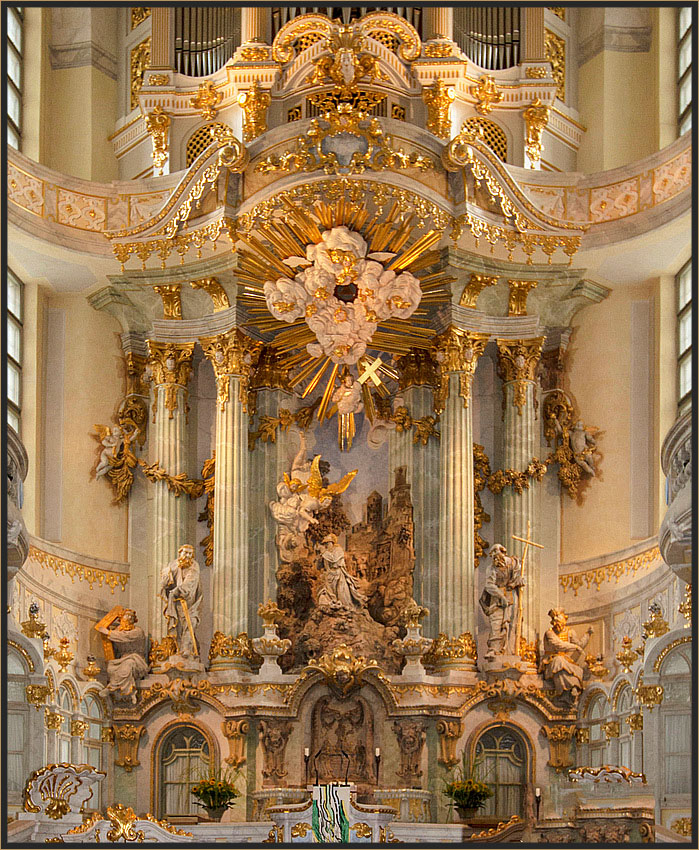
x: 116, y: 458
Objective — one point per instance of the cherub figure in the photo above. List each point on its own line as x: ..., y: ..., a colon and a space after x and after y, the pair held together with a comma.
x: 583, y: 445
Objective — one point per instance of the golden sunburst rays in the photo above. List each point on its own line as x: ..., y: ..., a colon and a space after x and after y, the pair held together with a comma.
x: 286, y: 237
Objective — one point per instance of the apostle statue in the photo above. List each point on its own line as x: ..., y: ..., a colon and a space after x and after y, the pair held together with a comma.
x: 180, y: 588
x: 340, y: 589
x: 129, y: 662
x: 500, y: 601
x: 562, y: 656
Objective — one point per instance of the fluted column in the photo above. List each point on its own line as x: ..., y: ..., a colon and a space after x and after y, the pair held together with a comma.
x: 533, y: 34
x: 171, y: 366
x: 439, y: 22
x: 517, y: 362
x: 458, y: 352
x: 253, y: 24
x: 231, y: 355
x: 162, y: 52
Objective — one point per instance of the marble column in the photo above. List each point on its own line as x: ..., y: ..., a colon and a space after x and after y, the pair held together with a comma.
x: 231, y: 355
x: 439, y: 22
x: 253, y: 24
x: 458, y: 352
x: 171, y: 367
x: 517, y: 362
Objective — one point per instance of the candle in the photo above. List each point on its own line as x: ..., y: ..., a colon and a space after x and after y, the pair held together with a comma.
x: 307, y: 752
x: 377, y: 752
x: 538, y: 792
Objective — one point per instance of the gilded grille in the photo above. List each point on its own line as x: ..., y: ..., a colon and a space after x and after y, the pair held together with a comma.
x: 201, y: 140
x: 380, y: 107
x: 398, y: 112
x: 491, y: 134
x: 294, y: 114
x: 306, y: 40
x: 388, y: 40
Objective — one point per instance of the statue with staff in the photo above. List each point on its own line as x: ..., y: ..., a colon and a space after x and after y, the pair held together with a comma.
x: 180, y: 589
x: 527, y: 542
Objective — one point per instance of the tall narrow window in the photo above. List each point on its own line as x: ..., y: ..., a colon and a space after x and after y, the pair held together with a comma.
x: 684, y: 337
x: 501, y: 759
x: 14, y: 349
x: 675, y: 750
x: 598, y: 743
x: 14, y: 76
x: 17, y: 726
x: 684, y: 69
x: 184, y: 759
x: 92, y: 742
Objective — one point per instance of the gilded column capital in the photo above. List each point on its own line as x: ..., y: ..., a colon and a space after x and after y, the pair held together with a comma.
x: 214, y: 290
x: 78, y: 728
x: 171, y: 365
x: 457, y: 350
x: 476, y: 284
x: 417, y: 368
x: 267, y: 374
x: 136, y: 383
x: 52, y: 720
x: 517, y: 362
x: 127, y: 737
x: 232, y: 355
x: 519, y: 289
x: 171, y: 294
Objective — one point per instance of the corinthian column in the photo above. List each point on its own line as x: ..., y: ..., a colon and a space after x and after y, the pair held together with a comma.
x: 253, y: 24
x: 517, y: 362
x: 171, y: 366
x: 458, y: 352
x: 231, y: 355
x: 439, y: 22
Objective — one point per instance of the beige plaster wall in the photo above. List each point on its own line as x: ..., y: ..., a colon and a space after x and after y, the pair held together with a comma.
x: 599, y: 378
x: 94, y: 386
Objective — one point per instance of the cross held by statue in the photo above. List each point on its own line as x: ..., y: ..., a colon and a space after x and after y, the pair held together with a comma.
x: 527, y: 542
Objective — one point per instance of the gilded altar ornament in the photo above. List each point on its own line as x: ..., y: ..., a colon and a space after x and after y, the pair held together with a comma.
x: 342, y: 670
x: 649, y: 695
x: 449, y: 732
x: 517, y: 302
x: 171, y: 365
x: 32, y: 627
x: 682, y: 826
x: 457, y: 351
x: 171, y: 295
x: 53, y: 720
x: 517, y: 362
x: 206, y: 100
x: 180, y: 484
x: 607, y: 773
x: 254, y: 102
x: 59, y: 789
x: 536, y: 117
x: 270, y: 613
x: 158, y: 79
x: 626, y: 656
x: 476, y: 284
x: 446, y: 652
x: 685, y: 607
x: 536, y: 72
x: 596, y: 667
x: 234, y: 651
x: 269, y: 425
x: 236, y: 732
x: 91, y: 670
x: 345, y: 63
x: 362, y: 830
x: 657, y: 625
x: 519, y: 481
x: 127, y: 736
x: 122, y: 819
x: 635, y: 722
x: 438, y: 49
x: 425, y: 427
x: 78, y: 728
x: 258, y: 53
x: 63, y: 655
x: 611, y: 729
x: 559, y: 738
x: 486, y: 94
x: 438, y: 99
x: 233, y: 355
x: 140, y: 60
x: 413, y: 613
x: 158, y: 127
x: 215, y: 291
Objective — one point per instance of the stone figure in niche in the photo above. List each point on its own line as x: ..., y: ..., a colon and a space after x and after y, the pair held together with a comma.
x: 411, y: 738
x: 129, y: 662
x: 500, y: 601
x: 180, y: 589
x: 274, y: 736
x: 561, y: 663
x: 583, y: 445
x: 342, y: 735
x: 340, y: 589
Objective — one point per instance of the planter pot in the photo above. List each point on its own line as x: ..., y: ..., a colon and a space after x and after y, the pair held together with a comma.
x: 215, y: 813
x: 466, y: 815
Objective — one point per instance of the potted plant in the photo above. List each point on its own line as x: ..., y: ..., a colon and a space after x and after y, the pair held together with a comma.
x: 216, y: 792
x: 465, y: 790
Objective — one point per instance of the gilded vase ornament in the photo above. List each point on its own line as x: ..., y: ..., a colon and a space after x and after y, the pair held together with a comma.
x: 486, y: 94
x: 63, y: 655
x: 657, y: 625
x: 33, y: 627
x: 206, y: 100
x: 626, y: 656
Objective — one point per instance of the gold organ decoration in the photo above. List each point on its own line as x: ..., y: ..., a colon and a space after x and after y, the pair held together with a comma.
x: 649, y: 695
x: 517, y: 362
x: 476, y: 284
x: 438, y: 99
x: 626, y: 656
x: 171, y: 365
x: 519, y: 290
x: 490, y: 133
x: 158, y: 127
x: 449, y: 732
x: 138, y: 15
x: 127, y: 736
x: 555, y: 48
x: 158, y: 79
x: 536, y: 117
x: 254, y: 102
x: 345, y: 63
x: 486, y: 94
x: 232, y: 355
x: 635, y: 722
x: 171, y: 295
x: 457, y: 351
x: 538, y: 72
x: 215, y: 291
x: 559, y: 738
x: 140, y: 60
x: 206, y: 100
x: 53, y: 720
x: 236, y: 732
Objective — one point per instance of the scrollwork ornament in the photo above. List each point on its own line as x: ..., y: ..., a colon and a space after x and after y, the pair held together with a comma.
x: 254, y: 102
x: 206, y: 100
x: 536, y: 117
x: 158, y: 127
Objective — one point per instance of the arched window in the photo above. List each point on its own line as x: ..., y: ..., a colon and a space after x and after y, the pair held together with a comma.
x: 491, y: 134
x: 92, y: 742
x: 66, y: 707
x: 501, y: 759
x: 624, y: 709
x: 676, y: 723
x: 17, y: 726
x: 596, y: 714
x: 183, y: 758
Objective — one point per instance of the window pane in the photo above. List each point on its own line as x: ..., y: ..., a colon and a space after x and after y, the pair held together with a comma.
x: 685, y: 20
x: 14, y: 29
x: 12, y: 137
x: 685, y: 331
x: 13, y: 103
x: 685, y: 92
x: 685, y: 375
x: 686, y: 124
x: 13, y: 419
x: 14, y: 336
x: 14, y: 67
x: 685, y: 286
x: 14, y: 296
x: 13, y: 378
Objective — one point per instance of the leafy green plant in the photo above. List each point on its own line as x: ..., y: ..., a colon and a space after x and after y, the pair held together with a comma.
x: 464, y: 786
x: 217, y: 789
